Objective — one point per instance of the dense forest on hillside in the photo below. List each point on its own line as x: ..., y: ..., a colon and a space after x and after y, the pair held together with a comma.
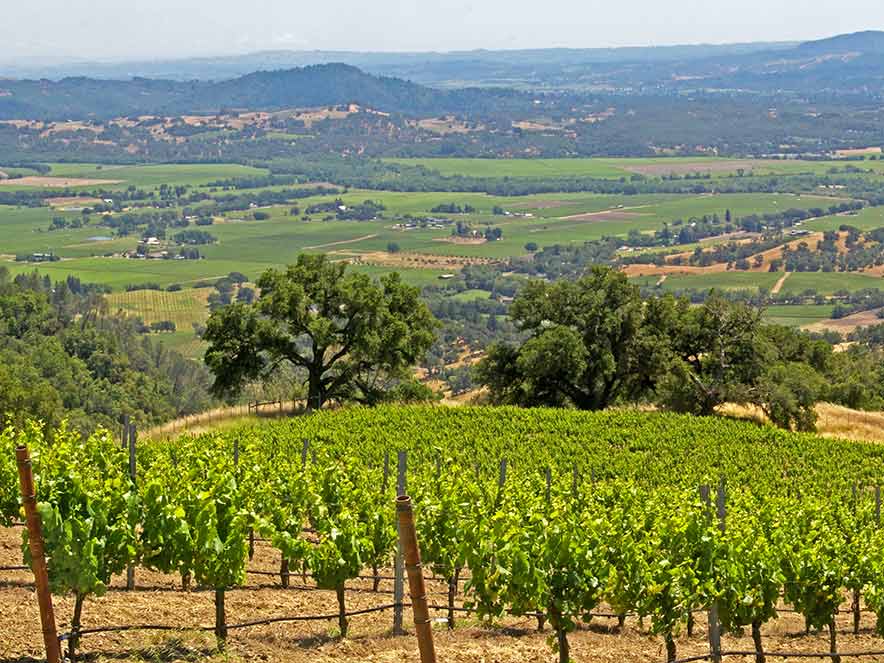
x: 63, y: 358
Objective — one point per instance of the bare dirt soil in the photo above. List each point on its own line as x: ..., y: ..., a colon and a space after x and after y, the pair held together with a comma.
x: 848, y: 323
x: 454, y: 239
x: 408, y: 259
x: 157, y: 599
x: 65, y: 201
x: 55, y: 182
x: 668, y: 270
x: 779, y: 284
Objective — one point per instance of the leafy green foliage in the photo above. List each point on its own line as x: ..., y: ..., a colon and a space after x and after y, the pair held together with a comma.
x: 350, y: 337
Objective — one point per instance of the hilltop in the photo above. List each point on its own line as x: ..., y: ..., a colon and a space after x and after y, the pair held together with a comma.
x: 316, y: 85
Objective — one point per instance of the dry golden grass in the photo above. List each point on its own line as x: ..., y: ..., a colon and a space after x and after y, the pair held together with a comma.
x: 832, y: 420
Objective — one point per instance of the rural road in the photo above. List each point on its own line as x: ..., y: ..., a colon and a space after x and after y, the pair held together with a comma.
x: 779, y: 284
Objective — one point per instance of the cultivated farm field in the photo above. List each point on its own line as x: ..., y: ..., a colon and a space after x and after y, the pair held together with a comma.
x: 614, y: 495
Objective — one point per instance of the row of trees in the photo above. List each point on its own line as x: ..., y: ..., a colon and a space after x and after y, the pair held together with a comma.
x: 588, y: 344
x: 595, y: 343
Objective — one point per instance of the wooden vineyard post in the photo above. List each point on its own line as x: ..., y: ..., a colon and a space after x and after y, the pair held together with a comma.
x: 399, y: 570
x: 501, y: 480
x: 38, y: 556
x: 133, y: 436
x: 408, y: 542
x: 714, y: 629
x: 548, y: 474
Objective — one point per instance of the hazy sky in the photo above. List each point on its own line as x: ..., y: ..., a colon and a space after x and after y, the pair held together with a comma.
x: 113, y: 29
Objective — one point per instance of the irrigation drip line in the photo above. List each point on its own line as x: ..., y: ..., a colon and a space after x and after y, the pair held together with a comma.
x: 783, y: 654
x: 257, y: 622
x: 801, y: 654
x: 15, y: 568
x: 701, y: 657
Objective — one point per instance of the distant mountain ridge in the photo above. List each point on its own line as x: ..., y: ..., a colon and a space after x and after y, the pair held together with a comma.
x: 421, y: 67
x: 316, y: 85
x: 474, y: 81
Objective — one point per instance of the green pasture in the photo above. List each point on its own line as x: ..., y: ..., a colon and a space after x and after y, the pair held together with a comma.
x: 251, y: 246
x: 868, y: 218
x: 797, y: 315
x: 828, y: 283
x: 734, y: 280
x: 152, y: 176
x: 472, y: 295
x: 613, y: 168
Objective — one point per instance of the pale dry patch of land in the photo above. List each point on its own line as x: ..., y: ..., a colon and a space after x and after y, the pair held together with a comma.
x: 689, y: 167
x: 446, y: 125
x: 779, y: 284
x: 670, y: 270
x: 410, y: 259
x: 55, y: 182
x: 607, y: 215
x: 849, y: 323
x: 455, y: 239
x: 858, y: 152
x: 66, y: 201
x: 832, y: 420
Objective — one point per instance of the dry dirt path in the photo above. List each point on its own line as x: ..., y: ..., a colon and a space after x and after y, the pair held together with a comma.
x: 779, y: 284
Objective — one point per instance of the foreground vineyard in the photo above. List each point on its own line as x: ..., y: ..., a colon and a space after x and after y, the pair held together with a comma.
x: 589, y: 510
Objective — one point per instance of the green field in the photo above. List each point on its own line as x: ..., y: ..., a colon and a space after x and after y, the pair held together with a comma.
x: 722, y: 281
x: 611, y: 168
x: 153, y: 176
x: 828, y: 283
x: 251, y: 246
x: 868, y: 218
x: 797, y: 315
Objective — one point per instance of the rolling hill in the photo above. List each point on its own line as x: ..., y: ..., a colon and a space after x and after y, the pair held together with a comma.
x: 316, y: 85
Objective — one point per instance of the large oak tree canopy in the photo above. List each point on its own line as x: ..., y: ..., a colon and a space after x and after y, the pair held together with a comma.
x: 349, y: 335
x: 594, y: 343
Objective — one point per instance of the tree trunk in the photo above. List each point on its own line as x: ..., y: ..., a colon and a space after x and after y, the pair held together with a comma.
x: 621, y: 621
x: 314, y: 389
x: 670, y: 648
x: 342, y: 610
x: 185, y: 581
x: 376, y: 582
x: 76, y: 620
x: 452, y: 593
x: 284, y: 573
x: 855, y: 612
x: 833, y: 645
x: 541, y: 622
x: 220, y: 619
x: 756, y: 638
x: 251, y: 543
x: 564, y: 648
x: 691, y: 625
